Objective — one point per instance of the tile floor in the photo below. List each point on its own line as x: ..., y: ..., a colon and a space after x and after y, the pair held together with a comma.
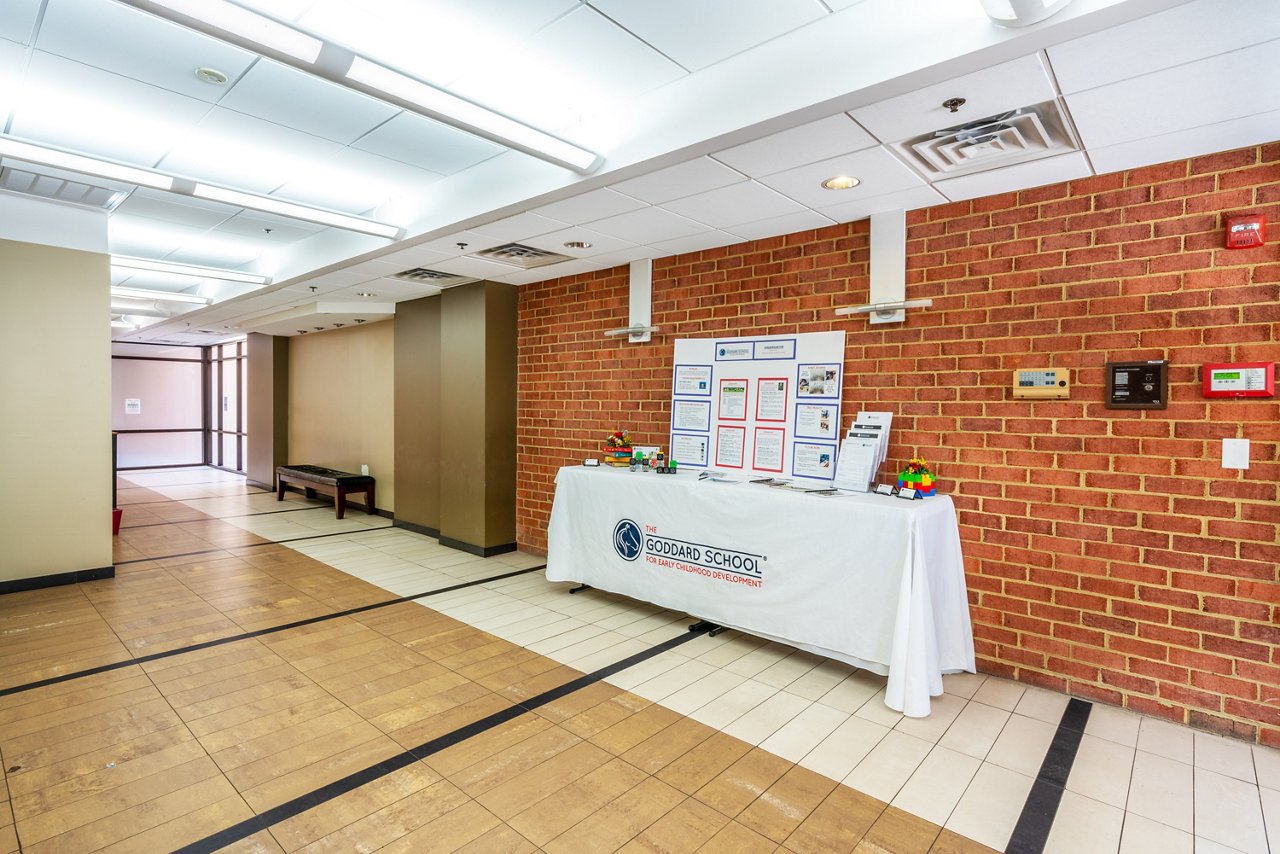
x: 1138, y: 784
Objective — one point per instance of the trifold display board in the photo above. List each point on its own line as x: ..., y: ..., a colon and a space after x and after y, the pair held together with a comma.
x: 767, y: 405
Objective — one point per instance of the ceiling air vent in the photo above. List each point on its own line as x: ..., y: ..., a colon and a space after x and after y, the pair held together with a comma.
x: 423, y: 276
x: 60, y: 189
x: 1016, y: 136
x: 521, y: 255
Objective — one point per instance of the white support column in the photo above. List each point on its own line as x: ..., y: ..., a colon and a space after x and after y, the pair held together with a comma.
x: 888, y: 263
x: 641, y: 300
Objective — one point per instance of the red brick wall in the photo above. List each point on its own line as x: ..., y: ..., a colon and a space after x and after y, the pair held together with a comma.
x: 1108, y: 553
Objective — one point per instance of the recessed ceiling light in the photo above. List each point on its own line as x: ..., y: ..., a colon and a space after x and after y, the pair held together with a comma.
x: 577, y: 244
x: 366, y: 294
x: 212, y: 76
x: 841, y: 182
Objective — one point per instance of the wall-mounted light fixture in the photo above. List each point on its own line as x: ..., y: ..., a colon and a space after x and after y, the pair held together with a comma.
x: 635, y: 334
x: 1021, y: 13
x: 885, y: 309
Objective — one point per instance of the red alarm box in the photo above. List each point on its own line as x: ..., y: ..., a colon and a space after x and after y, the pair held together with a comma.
x: 1245, y: 232
x: 1241, y: 379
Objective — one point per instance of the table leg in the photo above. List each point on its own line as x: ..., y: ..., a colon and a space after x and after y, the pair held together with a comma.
x: 368, y: 500
x: 279, y: 488
x: 340, y: 501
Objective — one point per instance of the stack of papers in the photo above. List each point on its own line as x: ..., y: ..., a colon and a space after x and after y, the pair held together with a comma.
x: 863, y: 451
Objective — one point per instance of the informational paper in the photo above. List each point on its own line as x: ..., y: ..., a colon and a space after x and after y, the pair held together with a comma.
x: 818, y: 381
x: 865, y: 421
x: 813, y: 459
x: 752, y: 384
x: 692, y: 379
x: 1235, y: 453
x: 769, y: 442
x: 771, y: 399
x: 730, y: 442
x: 857, y: 464
x: 691, y: 415
x: 733, y: 400
x: 133, y: 406
x: 816, y: 421
x: 689, y: 450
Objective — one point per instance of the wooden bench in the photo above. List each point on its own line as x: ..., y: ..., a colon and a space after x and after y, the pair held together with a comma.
x: 315, y: 479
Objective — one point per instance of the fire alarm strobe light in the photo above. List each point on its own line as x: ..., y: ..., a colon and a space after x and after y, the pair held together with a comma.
x: 1245, y: 232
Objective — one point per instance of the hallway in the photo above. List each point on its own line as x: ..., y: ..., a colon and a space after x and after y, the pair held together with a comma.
x: 250, y: 680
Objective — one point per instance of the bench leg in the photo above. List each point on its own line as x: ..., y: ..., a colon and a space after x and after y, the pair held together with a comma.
x: 279, y: 488
x: 340, y: 502
x: 309, y: 492
x: 368, y: 500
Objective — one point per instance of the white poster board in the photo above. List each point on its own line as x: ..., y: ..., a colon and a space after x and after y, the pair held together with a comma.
x: 764, y: 405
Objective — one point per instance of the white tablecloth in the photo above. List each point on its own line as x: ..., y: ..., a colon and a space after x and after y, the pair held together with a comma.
x: 871, y: 580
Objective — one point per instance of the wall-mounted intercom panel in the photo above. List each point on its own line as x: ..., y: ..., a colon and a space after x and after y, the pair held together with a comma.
x: 1044, y: 384
x: 1138, y: 385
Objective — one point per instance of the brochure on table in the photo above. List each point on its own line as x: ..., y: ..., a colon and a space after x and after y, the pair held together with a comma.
x: 863, y: 450
x: 765, y: 405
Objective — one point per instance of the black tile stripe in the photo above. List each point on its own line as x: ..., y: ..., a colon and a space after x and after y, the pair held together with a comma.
x: 1032, y: 830
x: 155, y: 656
x: 343, y: 785
x: 209, y: 518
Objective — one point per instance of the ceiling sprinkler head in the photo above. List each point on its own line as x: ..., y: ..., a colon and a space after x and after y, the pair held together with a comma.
x: 339, y: 325
x: 954, y: 104
x: 358, y: 319
x: 462, y: 246
x: 313, y: 289
x: 319, y: 329
x: 302, y: 332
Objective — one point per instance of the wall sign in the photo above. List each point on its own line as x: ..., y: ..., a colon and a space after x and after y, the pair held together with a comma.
x: 1138, y: 385
x: 133, y: 406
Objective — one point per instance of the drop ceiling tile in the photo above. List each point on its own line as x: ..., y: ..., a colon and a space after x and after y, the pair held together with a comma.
x: 788, y: 224
x: 1192, y: 142
x: 427, y: 144
x: 839, y: 5
x: 807, y: 143
x: 305, y: 102
x: 647, y: 225
x: 879, y: 171
x: 622, y: 256
x: 252, y: 225
x: 357, y: 182
x: 328, y: 282
x: 143, y: 237
x: 164, y: 210
x: 13, y: 57
x: 76, y: 106
x: 1037, y: 173
x: 374, y: 269
x: 217, y: 250
x: 519, y: 227
x: 525, y: 277
x: 676, y: 182
x: 18, y: 19
x: 384, y: 290
x: 908, y: 200
x: 601, y: 244
x: 589, y: 206
x: 700, y: 34
x: 734, y: 205
x: 478, y: 267
x: 480, y: 31
x: 448, y: 246
x: 693, y: 243
x: 580, y: 65
x: 1189, y: 32
x: 1186, y: 96
x: 245, y: 153
x: 415, y: 256
x: 117, y: 38
x: 993, y: 90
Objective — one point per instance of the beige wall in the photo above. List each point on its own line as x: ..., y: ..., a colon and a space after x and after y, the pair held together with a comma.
x: 342, y: 402
x: 55, y: 420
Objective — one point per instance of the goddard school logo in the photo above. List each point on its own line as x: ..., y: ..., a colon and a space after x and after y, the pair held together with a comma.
x: 627, y: 539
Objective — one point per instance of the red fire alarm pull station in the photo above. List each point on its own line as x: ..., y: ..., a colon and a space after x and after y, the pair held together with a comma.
x: 1242, y: 379
x: 1245, y: 232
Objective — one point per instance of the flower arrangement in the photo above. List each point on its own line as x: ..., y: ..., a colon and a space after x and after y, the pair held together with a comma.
x: 618, y: 439
x: 617, y: 448
x: 918, y: 476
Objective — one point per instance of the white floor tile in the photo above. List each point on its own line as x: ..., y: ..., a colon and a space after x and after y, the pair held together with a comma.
x: 989, y: 808
x: 963, y: 684
x: 1225, y: 756
x: 888, y: 766
x: 760, y: 659
x: 733, y: 704
x: 1161, y: 790
x: 933, y: 791
x: 1266, y: 762
x: 1166, y: 739
x: 1102, y: 770
x: 1271, y: 816
x: 646, y: 670
x: 1022, y: 745
x: 841, y: 751
x: 798, y: 736
x: 975, y: 730
x: 876, y: 711
x: 1144, y: 836
x: 942, y: 713
x: 1001, y: 693
x: 1114, y: 724
x: 1208, y: 846
x: 767, y: 718
x: 705, y: 690
x: 1042, y: 705
x: 852, y: 693
x: 1228, y: 811
x: 1083, y: 824
x: 821, y: 679
x: 660, y: 687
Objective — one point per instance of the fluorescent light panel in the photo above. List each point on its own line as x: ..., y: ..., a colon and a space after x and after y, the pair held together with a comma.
x: 295, y: 211
x: 450, y: 106
x: 187, y: 270
x: 140, y: 293
x: 10, y: 147
x: 241, y: 22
